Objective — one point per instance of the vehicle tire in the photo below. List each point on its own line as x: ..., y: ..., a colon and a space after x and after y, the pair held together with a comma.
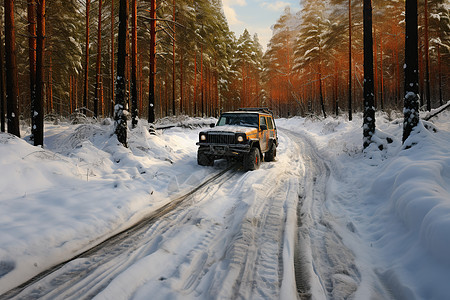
x: 271, y: 154
x: 204, y: 160
x: 252, y: 160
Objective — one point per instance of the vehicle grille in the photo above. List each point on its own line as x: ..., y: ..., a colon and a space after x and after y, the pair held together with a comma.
x: 221, y: 138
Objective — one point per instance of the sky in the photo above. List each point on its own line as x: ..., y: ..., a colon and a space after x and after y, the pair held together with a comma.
x: 257, y: 16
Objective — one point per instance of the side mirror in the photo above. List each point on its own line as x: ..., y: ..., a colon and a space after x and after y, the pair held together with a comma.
x: 263, y: 127
x: 212, y: 125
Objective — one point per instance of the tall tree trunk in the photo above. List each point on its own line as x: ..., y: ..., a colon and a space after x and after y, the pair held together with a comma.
x: 86, y: 61
x: 32, y: 61
x: 40, y: 59
x: 119, y: 116
x: 102, y: 104
x: 381, y: 74
x: 201, y: 83
x: 336, y: 88
x: 195, y: 86
x: 398, y: 81
x: 99, y: 60
x: 50, y: 84
x: 141, y: 89
x: 350, y: 117
x: 134, y: 92
x: 369, y: 109
x: 112, y: 56
x: 12, y: 93
x: 411, y: 100
x: 427, y: 59
x: 322, y: 104
x: 441, y: 102
x: 2, y: 84
x: 181, y: 83
x: 70, y: 94
x: 173, y: 63
x: 375, y: 58
x: 151, y: 92
x: 421, y: 71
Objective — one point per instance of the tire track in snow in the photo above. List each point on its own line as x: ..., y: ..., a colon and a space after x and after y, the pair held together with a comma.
x: 325, y: 267
x: 81, y: 275
x: 236, y: 252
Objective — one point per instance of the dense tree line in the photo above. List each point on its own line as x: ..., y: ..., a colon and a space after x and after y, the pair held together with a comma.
x: 200, y: 66
x: 307, y: 62
x: 179, y: 57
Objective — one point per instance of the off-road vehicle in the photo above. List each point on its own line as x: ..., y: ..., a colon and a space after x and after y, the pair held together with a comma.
x: 246, y: 135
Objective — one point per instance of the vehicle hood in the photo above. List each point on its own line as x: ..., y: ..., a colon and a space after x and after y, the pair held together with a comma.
x: 233, y: 128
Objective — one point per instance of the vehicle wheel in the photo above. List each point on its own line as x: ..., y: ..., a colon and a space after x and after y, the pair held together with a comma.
x: 271, y: 154
x: 204, y: 160
x: 252, y: 160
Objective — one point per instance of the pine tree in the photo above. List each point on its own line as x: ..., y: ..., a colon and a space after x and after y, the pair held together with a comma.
x: 310, y: 51
x: 152, y: 71
x: 40, y: 75
x: 120, y: 117
x: 32, y: 63
x: 134, y: 94
x: 411, y: 99
x: 369, y: 105
x: 2, y: 85
x: 99, y: 60
x: 86, y: 60
x: 12, y: 104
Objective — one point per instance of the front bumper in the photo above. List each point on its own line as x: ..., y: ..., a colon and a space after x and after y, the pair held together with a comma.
x: 220, y: 150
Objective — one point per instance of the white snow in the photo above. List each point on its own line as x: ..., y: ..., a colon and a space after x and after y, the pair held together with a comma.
x: 391, y: 207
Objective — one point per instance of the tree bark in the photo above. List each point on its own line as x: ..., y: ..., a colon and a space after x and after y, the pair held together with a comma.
x: 86, y: 62
x: 201, y: 83
x: 99, y: 60
x: 134, y: 92
x: 12, y: 103
x: 151, y: 92
x: 381, y: 74
x: 195, y: 86
x: 427, y: 59
x: 40, y: 58
x: 120, y: 117
x: 173, y: 63
x: 181, y: 83
x: 411, y: 99
x: 2, y: 85
x: 350, y: 117
x: 369, y: 108
x: 375, y: 62
x: 322, y: 104
x: 32, y: 61
x: 441, y: 102
x: 50, y: 84
x: 112, y: 55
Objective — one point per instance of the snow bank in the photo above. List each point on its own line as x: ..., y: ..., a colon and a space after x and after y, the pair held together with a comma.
x: 82, y: 188
x: 391, y: 202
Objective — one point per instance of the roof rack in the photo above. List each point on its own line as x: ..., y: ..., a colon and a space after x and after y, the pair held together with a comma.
x: 260, y: 109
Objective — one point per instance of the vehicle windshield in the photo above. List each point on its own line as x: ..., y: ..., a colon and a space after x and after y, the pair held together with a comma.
x: 248, y: 120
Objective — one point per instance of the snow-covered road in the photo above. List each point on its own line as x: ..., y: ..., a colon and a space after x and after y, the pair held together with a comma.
x: 233, y: 238
x: 327, y: 220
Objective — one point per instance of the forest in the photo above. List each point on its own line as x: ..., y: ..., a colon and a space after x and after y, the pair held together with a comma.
x: 180, y: 58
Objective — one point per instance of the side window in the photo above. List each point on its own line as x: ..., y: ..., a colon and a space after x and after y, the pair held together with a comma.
x: 262, y: 121
x: 269, y: 123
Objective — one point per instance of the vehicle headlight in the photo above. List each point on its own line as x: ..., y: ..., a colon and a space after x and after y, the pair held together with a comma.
x: 203, y: 137
x: 240, y: 138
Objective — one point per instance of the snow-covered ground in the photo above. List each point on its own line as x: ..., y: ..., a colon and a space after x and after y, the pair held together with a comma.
x: 388, y: 209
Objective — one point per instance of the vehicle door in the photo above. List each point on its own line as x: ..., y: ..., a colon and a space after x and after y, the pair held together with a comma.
x: 263, y: 134
x: 271, y: 128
